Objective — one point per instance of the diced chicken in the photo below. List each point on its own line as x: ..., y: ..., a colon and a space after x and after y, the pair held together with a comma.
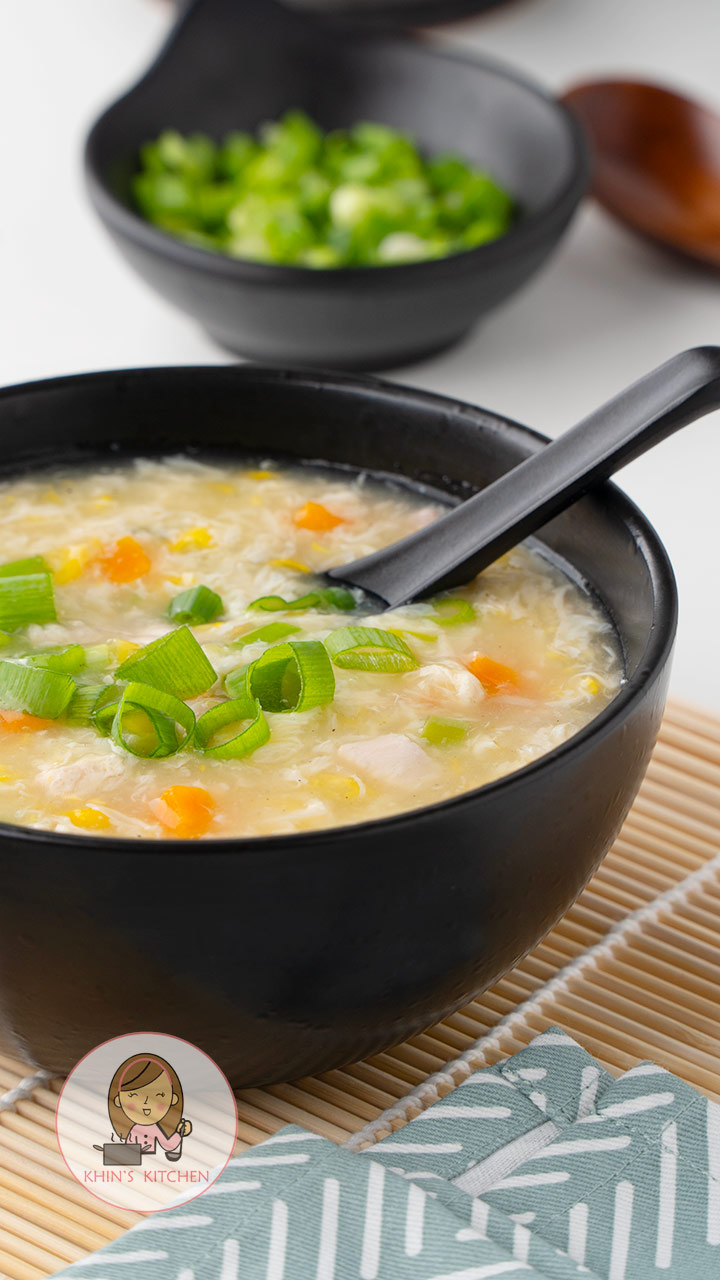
x: 391, y: 759
x: 81, y: 777
x: 445, y: 683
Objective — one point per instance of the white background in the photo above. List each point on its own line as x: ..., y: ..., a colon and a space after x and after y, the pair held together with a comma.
x: 606, y: 309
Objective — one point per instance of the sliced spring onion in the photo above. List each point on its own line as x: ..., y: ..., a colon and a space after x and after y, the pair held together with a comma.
x: 427, y: 636
x: 452, y: 611
x: 148, y: 722
x: 25, y: 598
x: 443, y: 732
x: 33, y: 564
x: 289, y: 677
x: 237, y: 682
x: 4, y: 639
x: 41, y: 693
x: 105, y: 707
x: 82, y: 704
x: 175, y: 664
x: 68, y: 658
x: 326, y: 600
x: 273, y: 631
x: 209, y: 728
x: 195, y: 606
x: 97, y: 655
x: 370, y: 649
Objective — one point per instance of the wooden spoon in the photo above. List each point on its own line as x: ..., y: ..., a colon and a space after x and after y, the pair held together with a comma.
x: 657, y: 162
x: 474, y: 534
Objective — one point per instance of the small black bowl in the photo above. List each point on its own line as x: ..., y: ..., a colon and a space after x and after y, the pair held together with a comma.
x: 234, y: 63
x: 396, y: 12
x: 292, y: 954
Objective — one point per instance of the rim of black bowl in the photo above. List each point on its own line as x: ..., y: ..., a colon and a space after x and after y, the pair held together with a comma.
x: 657, y: 651
x: 528, y: 228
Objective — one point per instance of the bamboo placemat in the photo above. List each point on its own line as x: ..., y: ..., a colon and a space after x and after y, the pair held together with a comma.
x: 632, y: 971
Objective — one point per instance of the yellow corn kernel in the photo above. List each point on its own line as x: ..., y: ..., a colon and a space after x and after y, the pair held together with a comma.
x: 50, y: 495
x: 590, y: 685
x: 317, y: 546
x: 297, y: 565
x: 261, y: 475
x: 336, y: 785
x: 6, y: 777
x: 121, y: 649
x: 193, y: 540
x: 89, y: 819
x: 72, y: 561
x: 71, y: 570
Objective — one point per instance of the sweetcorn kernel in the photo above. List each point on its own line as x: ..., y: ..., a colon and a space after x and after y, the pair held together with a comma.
x: 72, y: 561
x: 89, y: 819
x: 590, y: 685
x: 336, y: 785
x: 121, y: 649
x: 192, y: 540
x: 297, y: 565
x: 261, y: 475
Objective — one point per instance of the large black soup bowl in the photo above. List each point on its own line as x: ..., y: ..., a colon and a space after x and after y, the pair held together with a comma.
x: 231, y: 64
x: 292, y: 954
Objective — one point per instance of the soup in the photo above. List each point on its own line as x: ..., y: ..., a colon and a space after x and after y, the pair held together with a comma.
x: 172, y: 667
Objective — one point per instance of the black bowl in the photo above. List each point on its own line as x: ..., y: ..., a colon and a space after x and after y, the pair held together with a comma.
x: 394, y: 12
x: 234, y: 63
x: 292, y: 954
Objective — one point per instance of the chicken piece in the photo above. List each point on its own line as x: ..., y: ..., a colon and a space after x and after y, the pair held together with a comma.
x: 391, y: 759
x: 445, y: 684
x: 82, y: 777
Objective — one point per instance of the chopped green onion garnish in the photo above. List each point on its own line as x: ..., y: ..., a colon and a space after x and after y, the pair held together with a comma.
x: 327, y: 600
x: 25, y: 598
x: 41, y: 693
x: 237, y: 682
x: 452, y: 611
x: 69, y: 658
x: 105, y: 707
x: 97, y: 655
x: 289, y: 677
x: 82, y: 704
x: 153, y: 733
x: 195, y: 606
x: 370, y: 649
x: 443, y: 732
x: 175, y: 663
x: 254, y: 735
x: 33, y: 564
x: 4, y: 639
x: 427, y: 636
x: 268, y: 634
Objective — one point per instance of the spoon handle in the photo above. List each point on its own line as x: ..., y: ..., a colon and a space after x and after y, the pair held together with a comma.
x: 474, y: 534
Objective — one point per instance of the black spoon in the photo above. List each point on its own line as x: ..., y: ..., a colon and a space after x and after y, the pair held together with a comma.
x: 473, y: 535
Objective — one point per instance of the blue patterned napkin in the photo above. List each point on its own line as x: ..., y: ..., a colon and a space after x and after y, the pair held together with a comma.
x: 542, y: 1167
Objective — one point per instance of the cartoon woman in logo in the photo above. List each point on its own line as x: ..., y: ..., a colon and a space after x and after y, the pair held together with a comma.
x: 145, y: 1103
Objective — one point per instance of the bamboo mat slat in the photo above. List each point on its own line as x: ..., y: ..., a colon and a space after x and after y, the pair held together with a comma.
x: 632, y: 971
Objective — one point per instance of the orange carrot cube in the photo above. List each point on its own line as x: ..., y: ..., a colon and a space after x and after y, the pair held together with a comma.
x: 186, y: 811
x: 124, y: 562
x: 316, y: 517
x: 494, y: 676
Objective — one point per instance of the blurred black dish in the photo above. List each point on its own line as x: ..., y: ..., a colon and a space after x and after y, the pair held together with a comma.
x: 234, y: 63
x: 292, y: 954
x: 396, y: 12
